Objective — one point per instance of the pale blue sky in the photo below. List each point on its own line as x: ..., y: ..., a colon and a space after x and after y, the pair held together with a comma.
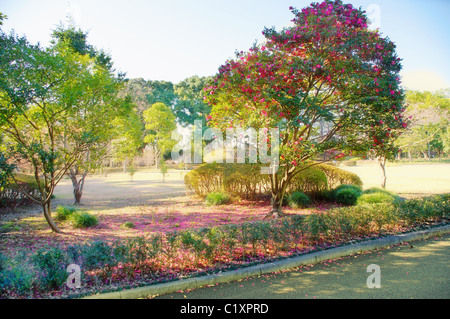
x: 174, y: 39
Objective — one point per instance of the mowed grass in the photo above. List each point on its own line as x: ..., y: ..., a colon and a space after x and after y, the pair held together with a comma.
x: 406, y: 180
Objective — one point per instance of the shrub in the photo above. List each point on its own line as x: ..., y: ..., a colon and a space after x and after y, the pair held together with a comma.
x: 52, y: 264
x: 97, y: 255
x: 337, y: 176
x: 311, y: 181
x: 205, y: 179
x: 346, y: 196
x: 217, y: 198
x: 246, y: 181
x: 299, y: 200
x: 64, y: 212
x: 12, y: 192
x: 357, y: 189
x: 2, y: 262
x: 128, y: 225
x: 173, y: 242
x: 375, y: 198
x: 83, y: 220
x: 423, y: 209
x: 316, y: 225
x: 18, y: 277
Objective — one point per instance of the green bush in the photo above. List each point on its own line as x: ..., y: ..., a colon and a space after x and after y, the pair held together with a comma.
x: 217, y: 198
x: 357, y: 189
x: 64, y: 212
x: 299, y: 200
x: 311, y: 181
x: 316, y: 225
x: 346, y: 196
x: 205, y: 179
x: 18, y: 277
x: 2, y: 262
x: 52, y: 265
x: 128, y: 225
x: 375, y: 198
x: 349, y: 163
x: 422, y: 209
x: 97, y: 255
x: 246, y: 181
x: 12, y: 191
x: 337, y: 176
x: 83, y: 220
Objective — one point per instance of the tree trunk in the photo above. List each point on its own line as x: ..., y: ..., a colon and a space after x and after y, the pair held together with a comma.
x: 48, y: 216
x: 156, y: 154
x: 125, y: 164
x: 382, y: 162
x: 277, y: 201
x: 278, y: 190
x: 77, y: 185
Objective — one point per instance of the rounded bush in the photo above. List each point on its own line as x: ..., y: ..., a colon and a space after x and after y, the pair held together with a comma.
x: 83, y: 220
x: 354, y: 188
x: 299, y: 200
x: 311, y: 181
x: 347, y: 196
x: 217, y: 198
x: 375, y: 198
x: 337, y: 176
x: 64, y: 212
x: 128, y: 225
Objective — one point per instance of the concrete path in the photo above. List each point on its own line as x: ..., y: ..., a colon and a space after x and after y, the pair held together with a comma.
x: 419, y: 269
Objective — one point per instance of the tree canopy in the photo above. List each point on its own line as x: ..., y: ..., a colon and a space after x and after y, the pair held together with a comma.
x: 329, y: 83
x: 160, y: 123
x: 55, y: 105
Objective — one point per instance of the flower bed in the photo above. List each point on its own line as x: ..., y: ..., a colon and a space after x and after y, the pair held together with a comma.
x: 176, y: 254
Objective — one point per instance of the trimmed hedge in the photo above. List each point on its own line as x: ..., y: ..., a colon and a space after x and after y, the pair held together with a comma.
x: 245, y: 180
x: 336, y: 176
x: 12, y: 194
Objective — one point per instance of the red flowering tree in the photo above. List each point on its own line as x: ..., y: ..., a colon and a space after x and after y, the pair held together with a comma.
x: 327, y: 82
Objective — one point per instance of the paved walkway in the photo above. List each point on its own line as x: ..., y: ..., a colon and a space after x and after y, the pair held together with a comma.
x: 419, y: 270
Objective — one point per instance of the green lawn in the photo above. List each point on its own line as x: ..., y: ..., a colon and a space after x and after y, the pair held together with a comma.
x: 406, y: 180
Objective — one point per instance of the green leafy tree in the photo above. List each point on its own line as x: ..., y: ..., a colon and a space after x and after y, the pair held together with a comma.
x: 160, y: 123
x: 430, y: 115
x: 190, y: 105
x: 45, y: 116
x: 161, y: 92
x: 327, y: 82
x: 127, y: 138
x: 76, y: 39
x: 2, y: 17
x: 6, y: 170
x: 100, y: 95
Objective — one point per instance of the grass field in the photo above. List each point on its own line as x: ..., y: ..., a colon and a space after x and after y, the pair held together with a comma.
x: 405, y: 179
